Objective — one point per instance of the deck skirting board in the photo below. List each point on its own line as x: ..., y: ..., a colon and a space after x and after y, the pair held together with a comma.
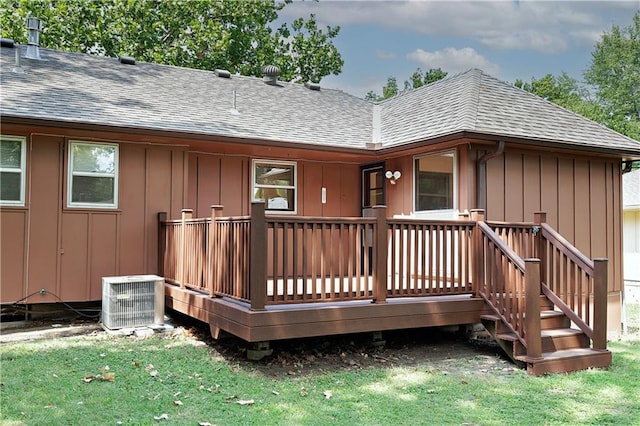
x: 322, y: 319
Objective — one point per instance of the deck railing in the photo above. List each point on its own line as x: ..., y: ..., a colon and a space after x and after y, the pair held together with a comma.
x: 269, y: 260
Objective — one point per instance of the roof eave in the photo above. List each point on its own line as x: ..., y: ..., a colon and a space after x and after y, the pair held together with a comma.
x: 202, y: 136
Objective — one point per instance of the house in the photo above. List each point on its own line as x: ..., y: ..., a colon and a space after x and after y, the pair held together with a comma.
x: 93, y: 148
x: 631, y: 236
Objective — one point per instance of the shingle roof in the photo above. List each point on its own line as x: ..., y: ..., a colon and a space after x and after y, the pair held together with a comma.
x: 99, y: 90
x: 631, y: 190
x: 80, y: 88
x: 476, y: 102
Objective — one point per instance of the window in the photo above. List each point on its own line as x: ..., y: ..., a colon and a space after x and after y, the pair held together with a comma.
x: 93, y: 175
x: 274, y: 182
x: 435, y: 182
x: 12, y: 170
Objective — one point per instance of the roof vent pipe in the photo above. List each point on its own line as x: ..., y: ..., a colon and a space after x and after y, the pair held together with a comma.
x: 17, y: 68
x: 270, y: 74
x: 34, y: 26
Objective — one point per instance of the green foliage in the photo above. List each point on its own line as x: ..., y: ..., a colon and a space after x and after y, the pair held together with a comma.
x: 417, y: 79
x: 615, y: 77
x: 203, y: 34
x: 615, y: 71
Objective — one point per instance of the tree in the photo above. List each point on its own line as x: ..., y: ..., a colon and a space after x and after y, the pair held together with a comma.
x: 417, y: 79
x: 231, y: 34
x: 566, y: 92
x: 615, y: 74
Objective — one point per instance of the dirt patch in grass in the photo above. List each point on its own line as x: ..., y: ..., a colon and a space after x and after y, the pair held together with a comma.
x: 433, y: 348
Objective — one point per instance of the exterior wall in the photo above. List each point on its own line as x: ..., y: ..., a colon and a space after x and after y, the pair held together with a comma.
x: 226, y: 180
x: 632, y: 246
x: 66, y: 251
x: 582, y: 198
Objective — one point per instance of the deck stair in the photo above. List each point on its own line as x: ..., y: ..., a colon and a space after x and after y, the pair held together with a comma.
x: 564, y: 348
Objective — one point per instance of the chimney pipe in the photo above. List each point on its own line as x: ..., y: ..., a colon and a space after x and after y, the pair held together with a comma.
x: 34, y: 26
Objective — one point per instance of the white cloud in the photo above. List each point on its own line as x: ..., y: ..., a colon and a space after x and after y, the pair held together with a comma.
x: 385, y: 55
x: 453, y: 60
x: 543, y: 26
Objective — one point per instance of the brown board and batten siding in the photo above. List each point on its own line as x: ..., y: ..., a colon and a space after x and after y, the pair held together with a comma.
x: 66, y: 251
x: 580, y: 194
x: 218, y: 179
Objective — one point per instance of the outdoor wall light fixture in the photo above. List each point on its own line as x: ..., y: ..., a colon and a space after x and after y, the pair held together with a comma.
x: 393, y: 176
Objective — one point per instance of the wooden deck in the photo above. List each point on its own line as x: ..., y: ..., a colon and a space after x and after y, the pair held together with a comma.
x: 290, y: 321
x: 265, y: 278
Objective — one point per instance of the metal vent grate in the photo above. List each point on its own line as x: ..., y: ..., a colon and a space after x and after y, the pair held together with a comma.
x: 132, y: 301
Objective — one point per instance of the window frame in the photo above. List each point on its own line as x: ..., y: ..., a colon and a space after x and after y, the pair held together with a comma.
x: 22, y: 171
x: 439, y: 213
x: 71, y: 174
x: 254, y: 185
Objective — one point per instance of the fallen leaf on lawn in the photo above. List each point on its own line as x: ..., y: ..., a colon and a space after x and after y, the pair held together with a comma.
x: 49, y: 406
x: 246, y: 402
x: 275, y: 392
x: 431, y: 391
x: 149, y: 367
x: 163, y: 416
x: 464, y: 382
x: 109, y: 377
x: 136, y: 364
x: 328, y: 394
x: 89, y: 378
x: 177, y: 402
x: 175, y: 395
x: 291, y: 373
x: 105, y: 368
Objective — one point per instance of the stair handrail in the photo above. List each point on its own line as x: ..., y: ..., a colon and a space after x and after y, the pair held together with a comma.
x: 486, y: 230
x: 596, y: 269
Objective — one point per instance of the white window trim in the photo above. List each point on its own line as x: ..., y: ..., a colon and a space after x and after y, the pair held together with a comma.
x: 294, y: 187
x: 437, y: 214
x: 22, y: 170
x: 71, y: 174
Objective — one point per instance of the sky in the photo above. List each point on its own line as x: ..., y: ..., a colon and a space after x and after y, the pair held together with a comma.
x: 507, y: 39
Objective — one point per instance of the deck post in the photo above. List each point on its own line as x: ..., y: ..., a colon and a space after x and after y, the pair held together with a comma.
x: 258, y: 257
x: 186, y: 215
x: 600, y: 304
x: 381, y: 255
x: 477, y: 257
x: 212, y: 283
x: 532, y: 326
x: 162, y: 243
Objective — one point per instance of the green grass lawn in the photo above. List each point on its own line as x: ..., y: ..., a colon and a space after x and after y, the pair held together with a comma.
x: 180, y: 380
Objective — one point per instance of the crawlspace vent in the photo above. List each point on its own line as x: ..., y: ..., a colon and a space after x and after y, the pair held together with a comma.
x: 132, y: 301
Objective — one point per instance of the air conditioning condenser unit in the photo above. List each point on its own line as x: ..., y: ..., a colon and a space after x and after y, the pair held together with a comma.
x: 132, y: 301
